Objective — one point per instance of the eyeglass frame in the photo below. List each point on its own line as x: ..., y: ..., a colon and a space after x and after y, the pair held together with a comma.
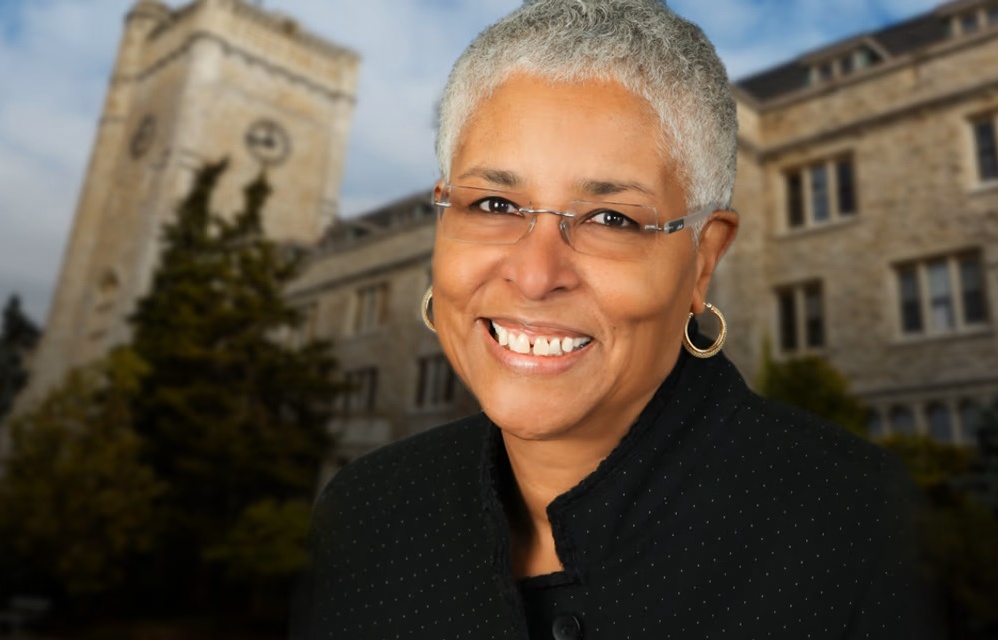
x: 670, y: 227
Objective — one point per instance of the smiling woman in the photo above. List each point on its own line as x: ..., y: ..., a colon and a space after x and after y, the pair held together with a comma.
x: 615, y: 485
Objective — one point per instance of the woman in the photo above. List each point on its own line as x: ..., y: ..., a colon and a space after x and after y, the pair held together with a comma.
x: 622, y: 481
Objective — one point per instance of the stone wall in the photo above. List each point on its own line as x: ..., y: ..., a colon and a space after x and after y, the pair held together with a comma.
x: 906, y: 126
x: 395, y: 260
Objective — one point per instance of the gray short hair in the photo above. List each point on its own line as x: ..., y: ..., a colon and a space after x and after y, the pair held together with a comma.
x: 641, y: 44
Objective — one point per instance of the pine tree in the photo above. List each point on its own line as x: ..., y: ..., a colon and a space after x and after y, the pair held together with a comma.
x: 812, y: 383
x: 956, y: 531
x: 18, y: 336
x: 77, y: 503
x: 233, y: 417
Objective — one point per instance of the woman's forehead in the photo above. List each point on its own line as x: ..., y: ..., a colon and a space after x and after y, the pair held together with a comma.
x: 594, y: 137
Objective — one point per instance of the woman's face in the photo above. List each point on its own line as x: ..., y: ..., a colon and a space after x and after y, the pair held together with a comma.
x: 623, y: 319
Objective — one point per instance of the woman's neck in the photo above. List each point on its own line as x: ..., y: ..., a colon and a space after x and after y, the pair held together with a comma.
x: 543, y: 470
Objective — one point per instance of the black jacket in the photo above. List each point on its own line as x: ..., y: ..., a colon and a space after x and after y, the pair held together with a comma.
x: 719, y: 515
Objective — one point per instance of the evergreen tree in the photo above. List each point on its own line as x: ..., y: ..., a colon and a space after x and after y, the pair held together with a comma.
x: 811, y: 383
x: 957, y: 528
x: 957, y: 532
x: 18, y: 337
x: 234, y: 419
x: 76, y: 501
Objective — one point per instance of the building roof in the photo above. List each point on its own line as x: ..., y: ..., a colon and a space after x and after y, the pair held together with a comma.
x: 413, y: 209
x: 893, y: 41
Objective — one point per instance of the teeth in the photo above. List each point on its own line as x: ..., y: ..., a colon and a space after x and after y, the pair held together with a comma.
x: 540, y: 347
x: 520, y: 343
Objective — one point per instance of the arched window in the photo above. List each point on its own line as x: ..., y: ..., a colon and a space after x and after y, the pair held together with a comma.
x: 970, y: 420
x: 902, y: 420
x: 940, y: 422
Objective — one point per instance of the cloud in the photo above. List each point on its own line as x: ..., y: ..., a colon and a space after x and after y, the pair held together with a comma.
x: 56, y: 57
x: 407, y: 50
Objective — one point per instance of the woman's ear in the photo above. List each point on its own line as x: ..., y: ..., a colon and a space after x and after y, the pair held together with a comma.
x: 715, y: 238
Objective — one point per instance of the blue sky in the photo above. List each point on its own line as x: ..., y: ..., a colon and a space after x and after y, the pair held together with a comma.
x: 56, y: 56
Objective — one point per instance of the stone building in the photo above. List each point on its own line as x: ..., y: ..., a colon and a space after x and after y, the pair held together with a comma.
x: 211, y: 79
x: 868, y: 188
x: 362, y: 289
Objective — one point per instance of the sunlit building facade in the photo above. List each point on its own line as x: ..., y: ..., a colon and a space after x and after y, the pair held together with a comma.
x: 868, y: 188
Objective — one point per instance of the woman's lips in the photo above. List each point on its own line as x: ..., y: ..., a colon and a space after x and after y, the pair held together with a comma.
x: 539, y: 343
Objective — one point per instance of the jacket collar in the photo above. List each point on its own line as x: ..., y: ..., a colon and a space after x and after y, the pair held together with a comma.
x: 611, y: 510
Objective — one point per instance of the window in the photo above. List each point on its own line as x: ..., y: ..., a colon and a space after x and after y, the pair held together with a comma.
x: 435, y: 385
x: 821, y: 192
x: 846, y: 186
x: 814, y: 316
x: 820, y: 210
x: 795, y: 199
x: 788, y: 319
x: 942, y: 295
x: 911, y: 306
x: 361, y: 391
x: 855, y: 59
x: 972, y: 289
x: 874, y: 425
x: 902, y: 420
x: 970, y: 420
x: 987, y: 149
x: 940, y: 422
x: 846, y: 65
x: 826, y: 71
x: 969, y: 23
x: 867, y: 57
x: 370, y: 307
x: 801, y: 314
x: 974, y: 20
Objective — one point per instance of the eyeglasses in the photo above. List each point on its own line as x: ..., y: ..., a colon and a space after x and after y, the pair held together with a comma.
x: 612, y: 230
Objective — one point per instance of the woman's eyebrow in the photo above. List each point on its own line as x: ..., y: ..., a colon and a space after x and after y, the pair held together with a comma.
x: 590, y: 186
x: 498, y: 177
x: 610, y: 187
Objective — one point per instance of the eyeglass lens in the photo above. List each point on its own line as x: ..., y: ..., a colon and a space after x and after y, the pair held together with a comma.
x: 604, y: 229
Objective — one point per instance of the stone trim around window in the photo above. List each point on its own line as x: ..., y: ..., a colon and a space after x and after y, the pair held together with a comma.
x: 941, y: 295
x: 984, y: 136
x: 800, y: 318
x: 820, y: 193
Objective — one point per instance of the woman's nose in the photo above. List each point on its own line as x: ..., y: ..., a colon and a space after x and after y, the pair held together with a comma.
x: 542, y: 262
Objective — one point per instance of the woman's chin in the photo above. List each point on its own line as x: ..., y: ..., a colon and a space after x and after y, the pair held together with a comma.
x: 528, y: 421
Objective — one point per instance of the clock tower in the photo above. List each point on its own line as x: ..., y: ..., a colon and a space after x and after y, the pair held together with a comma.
x: 190, y: 85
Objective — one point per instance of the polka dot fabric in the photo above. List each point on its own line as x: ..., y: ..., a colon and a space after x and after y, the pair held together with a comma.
x: 720, y: 515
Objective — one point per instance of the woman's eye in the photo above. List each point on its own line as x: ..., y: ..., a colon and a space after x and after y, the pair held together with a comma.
x: 612, y: 219
x: 496, y: 205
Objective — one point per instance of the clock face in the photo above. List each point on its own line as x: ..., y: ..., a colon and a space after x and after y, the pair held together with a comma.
x: 268, y: 142
x: 143, y: 137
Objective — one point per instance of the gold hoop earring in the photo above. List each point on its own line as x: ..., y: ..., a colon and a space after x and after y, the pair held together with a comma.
x: 713, y: 349
x: 426, y: 307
